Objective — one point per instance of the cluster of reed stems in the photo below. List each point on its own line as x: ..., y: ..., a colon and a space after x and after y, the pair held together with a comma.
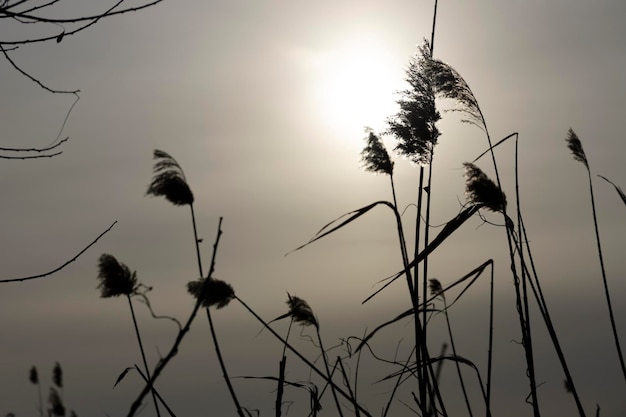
x: 415, y: 134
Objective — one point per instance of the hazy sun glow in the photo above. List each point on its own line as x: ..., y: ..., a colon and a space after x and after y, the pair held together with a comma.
x: 356, y: 84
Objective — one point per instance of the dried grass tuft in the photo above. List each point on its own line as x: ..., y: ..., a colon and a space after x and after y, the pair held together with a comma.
x: 56, y: 404
x: 300, y: 311
x: 375, y: 156
x: 448, y: 83
x: 57, y: 375
x: 414, y: 124
x: 435, y: 287
x: 479, y: 189
x: 115, y: 278
x: 574, y: 145
x: 211, y: 292
x: 33, y: 375
x: 169, y: 180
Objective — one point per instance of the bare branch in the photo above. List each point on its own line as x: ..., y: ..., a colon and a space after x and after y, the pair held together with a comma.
x: 45, y: 274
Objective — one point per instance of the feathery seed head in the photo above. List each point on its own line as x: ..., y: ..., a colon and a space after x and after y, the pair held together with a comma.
x: 57, y: 375
x: 414, y: 124
x: 435, y: 287
x: 56, y: 404
x: 169, y: 180
x: 211, y: 292
x: 301, y: 312
x: 33, y: 376
x: 574, y: 145
x: 115, y: 278
x: 479, y: 189
x: 374, y: 156
x: 448, y: 83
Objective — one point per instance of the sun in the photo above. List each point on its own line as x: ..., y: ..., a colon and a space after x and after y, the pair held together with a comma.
x: 356, y: 84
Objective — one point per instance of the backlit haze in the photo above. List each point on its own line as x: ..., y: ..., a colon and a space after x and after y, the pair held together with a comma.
x: 264, y: 105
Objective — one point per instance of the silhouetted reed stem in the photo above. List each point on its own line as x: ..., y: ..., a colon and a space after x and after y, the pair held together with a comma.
x: 222, y: 365
x: 169, y: 410
x: 604, y: 280
x: 216, y: 344
x: 143, y: 356
x: 330, y: 376
x: 181, y: 334
x: 301, y: 357
x: 521, y: 302
x: 543, y: 308
x: 458, y: 366
x: 196, y: 240
x: 281, y: 374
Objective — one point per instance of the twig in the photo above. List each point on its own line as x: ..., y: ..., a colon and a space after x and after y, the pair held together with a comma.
x: 45, y: 274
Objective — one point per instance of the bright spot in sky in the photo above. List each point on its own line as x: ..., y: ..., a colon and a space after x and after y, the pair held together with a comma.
x: 356, y: 83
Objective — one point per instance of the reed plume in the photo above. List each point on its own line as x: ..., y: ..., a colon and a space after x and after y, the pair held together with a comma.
x: 448, y: 83
x: 374, y: 156
x: 211, y: 292
x: 480, y: 190
x: 169, y: 180
x: 575, y: 145
x: 56, y: 404
x: 57, y: 375
x: 115, y: 278
x: 414, y: 124
x: 301, y: 312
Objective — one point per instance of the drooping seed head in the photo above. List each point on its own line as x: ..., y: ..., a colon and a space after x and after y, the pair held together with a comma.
x: 479, y: 189
x: 435, y: 287
x: 300, y: 311
x: 115, y: 278
x: 211, y: 292
x: 574, y: 144
x: 33, y: 376
x: 448, y: 83
x: 169, y: 180
x: 374, y: 156
x: 56, y: 403
x: 414, y: 124
x: 57, y: 375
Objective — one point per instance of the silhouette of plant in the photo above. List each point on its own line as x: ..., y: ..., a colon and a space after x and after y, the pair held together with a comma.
x: 575, y: 146
x: 116, y: 279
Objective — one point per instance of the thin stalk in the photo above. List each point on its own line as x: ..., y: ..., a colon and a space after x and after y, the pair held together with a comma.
x: 143, y: 356
x: 415, y: 295
x: 218, y: 352
x: 604, y: 280
x: 490, y: 353
x: 169, y: 410
x: 405, y: 368
x: 195, y: 238
x: 520, y: 253
x: 426, y: 242
x: 423, y: 358
x: 346, y: 381
x: 518, y: 298
x: 330, y: 376
x: 222, y: 365
x: 181, y: 334
x: 281, y: 374
x: 458, y: 366
x: 301, y: 357
x: 538, y: 293
x: 543, y: 307
x: 422, y: 380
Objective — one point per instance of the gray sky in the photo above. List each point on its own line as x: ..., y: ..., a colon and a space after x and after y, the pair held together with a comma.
x: 263, y: 103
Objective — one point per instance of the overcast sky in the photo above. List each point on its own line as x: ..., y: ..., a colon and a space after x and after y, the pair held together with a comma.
x: 264, y: 103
